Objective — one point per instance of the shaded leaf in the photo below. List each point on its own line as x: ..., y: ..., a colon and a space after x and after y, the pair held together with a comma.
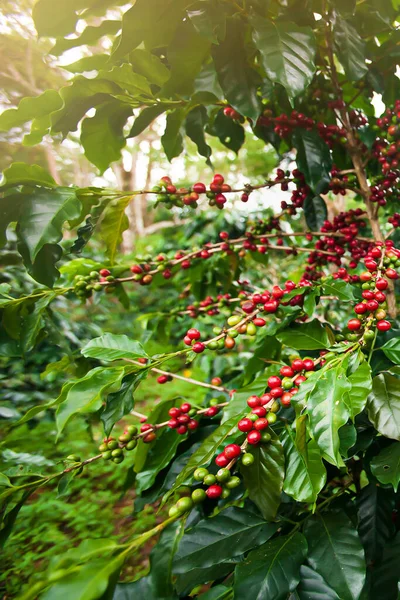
x: 383, y: 405
x: 386, y: 465
x: 305, y: 336
x: 375, y: 524
x: 350, y: 49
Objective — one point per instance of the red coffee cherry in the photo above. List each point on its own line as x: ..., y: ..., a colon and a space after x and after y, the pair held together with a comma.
x: 253, y: 437
x: 286, y: 371
x: 253, y: 401
x: 162, y: 379
x: 259, y: 322
x: 218, y: 179
x: 137, y: 269
x: 245, y: 425
x: 276, y: 392
x: 265, y: 398
x: 381, y: 284
x: 261, y: 424
x: 354, y: 324
x: 260, y: 411
x: 214, y: 491
x: 105, y: 272
x: 383, y: 325
x: 297, y: 365
x: 360, y: 308
x: 232, y: 451
x: 212, y: 411
x: 221, y: 460
x: 309, y: 364
x: 286, y: 398
x: 173, y: 423
x: 372, y: 305
x: 174, y: 412
x: 380, y: 296
x: 193, y: 424
x: 199, y: 188
x: 391, y: 273
x: 182, y: 429
x: 274, y: 381
x: 216, y: 381
x: 277, y: 292
x: 193, y: 334
x: 185, y: 407
x: 198, y: 347
x: 271, y: 306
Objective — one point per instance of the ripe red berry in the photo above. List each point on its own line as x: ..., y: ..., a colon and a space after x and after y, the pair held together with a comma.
x: 224, y: 235
x: 300, y: 379
x: 261, y: 424
x: 146, y: 427
x: 265, y: 398
x: 360, y: 308
x: 187, y: 340
x: 383, y: 325
x: 221, y: 460
x: 309, y: 364
x: 354, y: 324
x: 185, y: 407
x: 245, y: 425
x: 173, y: 423
x: 391, y: 273
x: 368, y: 295
x: 137, y: 269
x: 372, y: 305
x: 297, y: 365
x: 198, y: 347
x: 259, y: 322
x: 381, y: 284
x: 286, y: 398
x: 380, y: 296
x: 218, y: 179
x: 276, y: 392
x: 274, y: 381
x: 193, y: 424
x: 212, y: 411
x: 214, y: 491
x: 162, y: 379
x: 277, y: 292
x: 271, y: 306
x: 260, y: 411
x: 104, y: 272
x: 232, y: 451
x: 182, y: 429
x: 183, y: 419
x: 286, y: 371
x: 253, y: 437
x: 253, y: 401
x: 193, y: 334
x: 199, y: 188
x: 216, y: 381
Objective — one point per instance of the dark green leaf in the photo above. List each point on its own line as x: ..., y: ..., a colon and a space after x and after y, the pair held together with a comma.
x: 194, y: 125
x: 287, y: 53
x: 172, y: 137
x: 146, y: 117
x: 150, y: 66
x: 264, y: 478
x: 383, y: 405
x: 111, y: 346
x: 209, y: 20
x: 375, y: 523
x: 237, y: 79
x: 386, y: 576
x: 113, y: 224
x: 218, y: 592
x: 313, y: 587
x: 336, y: 553
x: 327, y: 412
x: 160, y: 455
x: 225, y: 536
x: 305, y: 473
x: 271, y: 571
x: 338, y: 288
x: 305, y: 336
x: 120, y: 403
x: 386, y: 466
x: 313, y: 157
x: 350, y: 49
x: 315, y: 212
x: 161, y: 558
x: 392, y: 350
x: 230, y: 133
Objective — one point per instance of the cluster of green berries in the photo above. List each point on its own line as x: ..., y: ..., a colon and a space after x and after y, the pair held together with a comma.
x: 112, y: 449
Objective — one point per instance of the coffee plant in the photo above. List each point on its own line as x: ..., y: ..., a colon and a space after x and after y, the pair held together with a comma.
x: 281, y: 479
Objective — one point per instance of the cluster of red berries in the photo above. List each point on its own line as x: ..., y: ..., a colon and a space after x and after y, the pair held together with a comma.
x: 386, y: 150
x: 339, y: 182
x: 231, y: 113
x: 395, y: 220
x: 379, y: 263
x: 181, y: 418
x: 191, y: 339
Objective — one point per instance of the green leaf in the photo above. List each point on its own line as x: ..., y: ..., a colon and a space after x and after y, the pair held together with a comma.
x: 225, y: 536
x: 20, y: 173
x: 336, y: 553
x: 264, y: 478
x: 113, y: 224
x: 111, y: 346
x: 208, y: 20
x: 386, y: 465
x: 186, y: 54
x: 206, y: 452
x: 43, y: 269
x: 350, y: 49
x: 385, y: 577
x: 160, y: 455
x: 237, y: 405
x: 340, y: 289
x: 315, y: 212
x: 305, y: 473
x: 392, y: 350
x: 236, y: 78
x: 89, y: 37
x: 305, y: 336
x: 271, y: 571
x: 361, y: 385
x: 53, y: 20
x: 313, y: 587
x: 93, y: 62
x: 172, y: 138
x: 102, y: 136
x: 133, y: 83
x: 161, y: 558
x: 34, y: 322
x: 218, y: 592
x: 313, y: 157
x: 121, y: 402
x: 383, y: 405
x: 87, y: 394
x: 375, y: 524
x: 30, y: 108
x: 287, y: 53
x: 146, y: 117
x: 194, y: 126
x: 149, y: 66
x: 327, y: 413
x: 43, y: 215
x: 229, y: 132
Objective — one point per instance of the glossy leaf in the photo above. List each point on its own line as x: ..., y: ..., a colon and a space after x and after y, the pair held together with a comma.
x: 121, y: 402
x: 161, y: 558
x: 264, y: 478
x: 236, y: 78
x: 350, y: 49
x: 20, y: 173
x: 30, y: 108
x: 305, y: 474
x: 305, y: 336
x: 158, y: 458
x: 313, y: 157
x: 112, y: 346
x: 287, y: 53
x: 375, y: 524
x: 392, y: 350
x: 146, y: 117
x: 271, y: 571
x: 86, y: 394
x: 327, y: 413
x: 336, y: 553
x: 229, y: 132
x: 312, y: 586
x: 315, y: 212
x: 208, y: 20
x: 113, y: 224
x: 385, y: 576
x: 34, y: 322
x: 218, y: 592
x: 342, y: 290
x: 386, y: 465
x: 171, y: 139
x: 361, y: 385
x: 149, y: 66
x: 383, y: 405
x: 194, y: 126
x: 102, y: 135
x: 226, y: 536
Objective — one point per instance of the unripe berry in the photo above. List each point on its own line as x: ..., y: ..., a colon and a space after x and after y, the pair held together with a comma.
x: 247, y: 459
x: 200, y: 473
x: 223, y: 475
x: 198, y: 496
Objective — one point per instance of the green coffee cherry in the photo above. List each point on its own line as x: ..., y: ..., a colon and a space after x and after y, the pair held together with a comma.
x: 265, y: 437
x: 184, y: 504
x: 233, y: 482
x: 200, y: 474
x: 106, y: 455
x: 131, y: 445
x: 247, y: 459
x: 103, y: 448
x: 271, y: 417
x: 117, y: 452
x: 173, y: 511
x: 287, y: 383
x: 275, y: 406
x: 74, y: 458
x: 132, y: 429
x: 125, y: 437
x: 223, y: 475
x: 184, y: 490
x: 112, y: 444
x: 225, y: 493
x: 198, y: 496
x: 234, y: 320
x: 209, y: 479
x: 213, y: 402
x: 251, y: 329
x: 118, y: 459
